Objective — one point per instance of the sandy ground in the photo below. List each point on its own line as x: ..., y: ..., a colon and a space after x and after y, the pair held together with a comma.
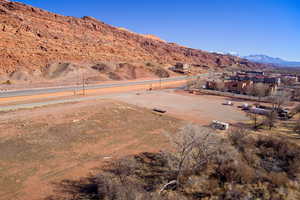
x: 44, y: 145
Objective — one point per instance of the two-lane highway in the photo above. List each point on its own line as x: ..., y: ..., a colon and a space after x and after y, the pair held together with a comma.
x: 30, y: 92
x: 30, y: 98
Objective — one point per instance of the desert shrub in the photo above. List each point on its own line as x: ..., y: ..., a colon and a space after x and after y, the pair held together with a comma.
x: 190, y: 84
x: 7, y: 82
x: 278, y: 155
x: 236, y: 135
x: 157, y: 69
x: 270, y: 119
x: 195, y: 84
x: 296, y: 109
x: 114, y: 76
x: 297, y: 127
x: 161, y: 72
x: 220, y: 86
x: 202, y: 165
x: 101, y: 67
x: 194, y: 148
x: 149, y: 64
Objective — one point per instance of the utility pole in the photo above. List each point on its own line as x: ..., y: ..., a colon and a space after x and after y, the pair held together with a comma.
x: 83, y: 84
x: 160, y: 82
x: 76, y: 89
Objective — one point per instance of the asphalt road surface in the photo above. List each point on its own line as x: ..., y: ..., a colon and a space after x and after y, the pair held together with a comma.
x: 30, y: 92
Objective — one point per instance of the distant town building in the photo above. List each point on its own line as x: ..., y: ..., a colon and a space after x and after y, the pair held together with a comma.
x: 245, y: 81
x: 181, y: 68
x: 257, y: 79
x: 289, y: 79
x: 254, y: 73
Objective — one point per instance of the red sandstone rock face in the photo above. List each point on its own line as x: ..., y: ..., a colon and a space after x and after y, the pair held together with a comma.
x: 31, y: 38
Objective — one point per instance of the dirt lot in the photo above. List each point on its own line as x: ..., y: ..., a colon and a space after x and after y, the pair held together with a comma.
x: 42, y: 146
x: 196, y: 108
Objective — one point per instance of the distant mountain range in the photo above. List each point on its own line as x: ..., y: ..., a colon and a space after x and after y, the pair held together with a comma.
x: 276, y: 61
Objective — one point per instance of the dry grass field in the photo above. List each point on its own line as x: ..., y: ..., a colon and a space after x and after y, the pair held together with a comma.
x: 44, y: 145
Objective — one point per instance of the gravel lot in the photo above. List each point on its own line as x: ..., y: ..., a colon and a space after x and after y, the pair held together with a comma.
x: 196, y: 108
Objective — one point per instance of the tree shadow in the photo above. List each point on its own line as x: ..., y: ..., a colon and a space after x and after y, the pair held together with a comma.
x: 241, y: 125
x: 86, y: 188
x: 125, y: 177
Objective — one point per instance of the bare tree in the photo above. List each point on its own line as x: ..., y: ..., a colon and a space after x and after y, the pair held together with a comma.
x: 220, y: 86
x: 279, y: 99
x: 259, y: 89
x: 296, y: 95
x: 190, y: 84
x: 199, y: 83
x: 297, y: 126
x: 117, y: 182
x: 194, y: 146
x: 287, y: 81
x: 254, y: 118
x: 236, y: 135
x: 195, y: 84
x: 249, y: 90
x: 296, y: 110
x: 270, y: 119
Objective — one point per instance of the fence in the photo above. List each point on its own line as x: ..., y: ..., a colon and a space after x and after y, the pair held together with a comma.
x: 231, y: 95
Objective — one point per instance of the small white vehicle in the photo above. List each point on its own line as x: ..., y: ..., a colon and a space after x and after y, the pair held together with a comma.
x: 228, y: 103
x: 245, y: 106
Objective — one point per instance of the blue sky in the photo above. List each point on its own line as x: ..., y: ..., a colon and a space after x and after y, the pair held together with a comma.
x: 269, y: 27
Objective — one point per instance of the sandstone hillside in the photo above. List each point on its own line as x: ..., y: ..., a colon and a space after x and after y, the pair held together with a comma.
x: 32, y: 39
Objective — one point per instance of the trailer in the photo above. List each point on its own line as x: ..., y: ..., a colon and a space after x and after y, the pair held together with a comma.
x: 259, y: 111
x: 219, y: 125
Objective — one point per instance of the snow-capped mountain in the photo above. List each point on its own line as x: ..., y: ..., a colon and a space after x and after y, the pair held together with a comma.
x: 276, y: 61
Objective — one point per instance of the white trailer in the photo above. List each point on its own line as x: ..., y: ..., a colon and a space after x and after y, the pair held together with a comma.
x: 219, y: 125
